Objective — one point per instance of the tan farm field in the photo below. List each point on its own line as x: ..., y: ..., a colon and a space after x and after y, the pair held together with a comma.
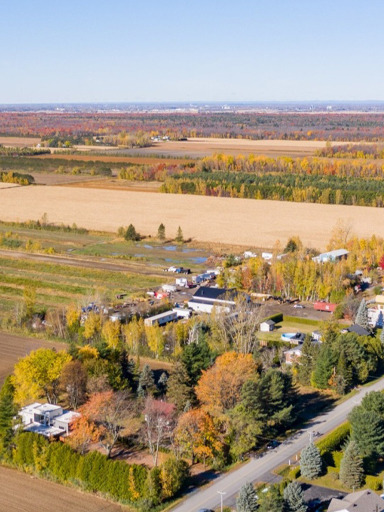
x: 19, y: 142
x: 19, y: 491
x: 243, y: 222
x: 204, y: 146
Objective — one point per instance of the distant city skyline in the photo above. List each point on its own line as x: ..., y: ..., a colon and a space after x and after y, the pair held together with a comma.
x: 124, y: 51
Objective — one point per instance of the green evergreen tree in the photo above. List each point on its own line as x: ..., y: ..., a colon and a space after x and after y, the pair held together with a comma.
x: 367, y: 430
x: 324, y: 367
x: 374, y: 401
x: 146, y: 382
x: 382, y: 337
x: 272, y: 500
x: 247, y: 499
x: 344, y: 376
x: 131, y: 234
x: 351, y: 467
x: 179, y: 236
x: 307, y: 361
x: 161, y: 232
x: 7, y: 413
x: 362, y: 315
x: 152, y: 489
x: 294, y: 498
x: 311, y: 464
x: 179, y: 390
x: 196, y: 357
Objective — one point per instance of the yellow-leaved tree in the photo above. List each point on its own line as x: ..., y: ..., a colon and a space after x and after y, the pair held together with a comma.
x: 38, y: 374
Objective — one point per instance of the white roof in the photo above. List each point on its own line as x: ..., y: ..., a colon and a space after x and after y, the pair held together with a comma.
x: 40, y: 408
x: 67, y: 417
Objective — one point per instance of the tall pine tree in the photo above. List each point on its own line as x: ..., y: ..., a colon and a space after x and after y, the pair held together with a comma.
x: 311, y: 464
x: 362, y: 315
x: 351, y: 467
x: 247, y: 499
x: 294, y: 498
x: 146, y: 382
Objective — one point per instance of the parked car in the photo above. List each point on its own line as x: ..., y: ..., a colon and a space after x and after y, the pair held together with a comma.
x: 298, y: 306
x: 206, y: 510
x: 273, y: 444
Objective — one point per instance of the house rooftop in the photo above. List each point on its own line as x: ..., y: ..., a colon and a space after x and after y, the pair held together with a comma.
x: 361, y: 501
x: 357, y: 329
x: 45, y: 430
x: 269, y: 322
x: 206, y: 292
x: 40, y: 408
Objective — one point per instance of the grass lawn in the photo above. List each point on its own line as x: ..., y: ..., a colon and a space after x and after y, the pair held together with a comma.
x: 288, y: 326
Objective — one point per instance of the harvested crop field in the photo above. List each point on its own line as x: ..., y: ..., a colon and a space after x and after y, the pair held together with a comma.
x: 245, y: 222
x: 12, y: 348
x: 199, y: 147
x: 20, y: 491
x: 19, y: 142
x: 124, y: 158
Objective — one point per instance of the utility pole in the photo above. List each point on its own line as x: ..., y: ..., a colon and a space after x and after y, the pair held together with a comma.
x: 221, y: 499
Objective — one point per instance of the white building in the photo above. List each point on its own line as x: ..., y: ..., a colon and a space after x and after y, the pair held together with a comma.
x: 47, y: 419
x: 335, y: 255
x: 267, y: 326
x: 206, y: 298
x: 161, y: 318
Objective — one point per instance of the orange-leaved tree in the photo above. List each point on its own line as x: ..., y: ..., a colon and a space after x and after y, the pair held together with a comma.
x: 198, y: 436
x: 219, y: 388
x: 83, y: 433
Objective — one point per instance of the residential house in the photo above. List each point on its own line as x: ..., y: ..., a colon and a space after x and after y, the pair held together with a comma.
x: 49, y: 420
x: 207, y: 298
x: 361, y: 501
x: 357, y: 329
x: 292, y: 356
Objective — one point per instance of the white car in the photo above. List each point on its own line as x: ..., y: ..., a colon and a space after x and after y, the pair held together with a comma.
x: 298, y: 306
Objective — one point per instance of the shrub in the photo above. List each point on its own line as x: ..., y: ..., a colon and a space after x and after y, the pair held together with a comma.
x: 294, y: 473
x: 277, y: 318
x: 374, y: 482
x: 334, y: 440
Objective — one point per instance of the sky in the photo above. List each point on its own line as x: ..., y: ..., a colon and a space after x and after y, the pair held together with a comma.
x: 191, y: 50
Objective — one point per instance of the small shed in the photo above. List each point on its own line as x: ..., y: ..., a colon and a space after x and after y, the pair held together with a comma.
x: 267, y: 326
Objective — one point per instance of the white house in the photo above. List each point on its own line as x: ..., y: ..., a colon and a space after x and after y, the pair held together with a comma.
x: 267, y: 326
x: 47, y: 419
x: 161, y: 318
x: 206, y: 298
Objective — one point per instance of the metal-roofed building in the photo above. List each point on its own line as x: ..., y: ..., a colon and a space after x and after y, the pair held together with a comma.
x: 336, y: 255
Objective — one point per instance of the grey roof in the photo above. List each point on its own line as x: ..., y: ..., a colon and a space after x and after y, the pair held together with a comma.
x: 356, y: 328
x: 206, y: 292
x: 361, y: 501
x: 268, y: 322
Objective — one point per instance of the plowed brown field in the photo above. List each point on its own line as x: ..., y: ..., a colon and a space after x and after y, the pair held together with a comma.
x: 12, y: 348
x: 245, y: 222
x: 21, y: 492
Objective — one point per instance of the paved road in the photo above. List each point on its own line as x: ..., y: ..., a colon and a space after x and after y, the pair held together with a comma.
x: 84, y: 263
x: 256, y: 469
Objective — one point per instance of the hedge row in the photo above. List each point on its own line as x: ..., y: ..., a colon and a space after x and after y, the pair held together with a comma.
x: 94, y: 472
x: 335, y: 439
x: 277, y: 318
x: 304, y: 321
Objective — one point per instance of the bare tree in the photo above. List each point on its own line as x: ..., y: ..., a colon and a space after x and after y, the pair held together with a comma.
x: 74, y: 381
x: 159, y: 424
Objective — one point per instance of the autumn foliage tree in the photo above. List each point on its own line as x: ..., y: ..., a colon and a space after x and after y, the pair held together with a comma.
x: 38, y: 374
x: 110, y: 411
x: 219, y: 388
x: 84, y: 432
x: 198, y: 437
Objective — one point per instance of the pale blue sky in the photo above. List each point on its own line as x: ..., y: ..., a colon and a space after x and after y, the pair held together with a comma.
x: 191, y: 50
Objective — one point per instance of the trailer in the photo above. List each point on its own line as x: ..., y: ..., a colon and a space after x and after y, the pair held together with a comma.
x: 324, y: 306
x: 161, y: 318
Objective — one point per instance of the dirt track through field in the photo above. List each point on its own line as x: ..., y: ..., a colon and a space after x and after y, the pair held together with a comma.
x: 20, y: 492
x: 245, y: 222
x: 12, y: 348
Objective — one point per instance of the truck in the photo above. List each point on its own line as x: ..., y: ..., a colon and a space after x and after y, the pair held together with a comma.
x: 321, y: 305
